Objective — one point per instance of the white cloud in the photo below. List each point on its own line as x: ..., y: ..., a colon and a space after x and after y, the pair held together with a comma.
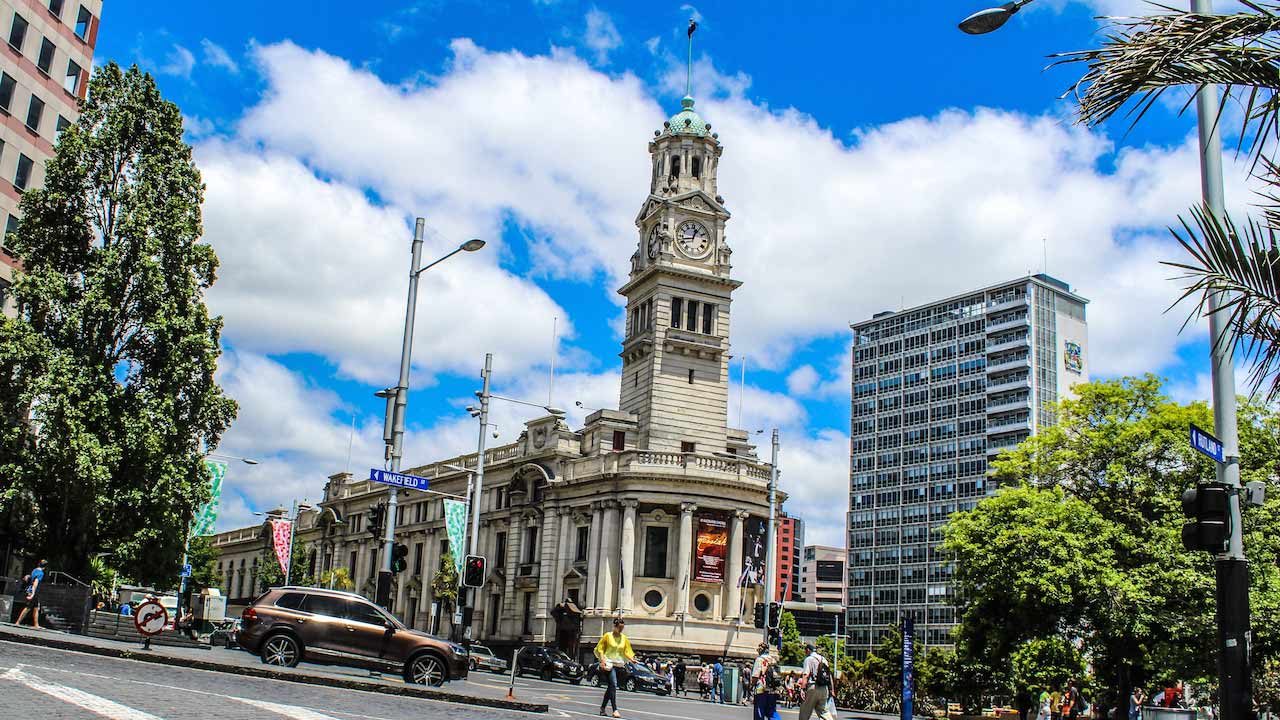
x: 179, y: 61
x: 314, y: 266
x: 602, y: 36
x: 814, y: 473
x: 802, y: 380
x: 217, y: 56
x: 196, y: 127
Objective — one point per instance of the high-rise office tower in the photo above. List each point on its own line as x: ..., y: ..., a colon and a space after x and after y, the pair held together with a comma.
x: 939, y: 389
x: 44, y: 74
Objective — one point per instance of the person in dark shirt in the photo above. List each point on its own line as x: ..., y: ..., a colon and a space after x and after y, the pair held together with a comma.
x: 31, y: 588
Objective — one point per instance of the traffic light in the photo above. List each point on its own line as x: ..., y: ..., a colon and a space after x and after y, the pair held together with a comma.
x: 759, y: 615
x: 775, y: 614
x: 377, y: 518
x: 1208, y: 529
x: 399, y: 552
x: 775, y: 636
x: 473, y: 571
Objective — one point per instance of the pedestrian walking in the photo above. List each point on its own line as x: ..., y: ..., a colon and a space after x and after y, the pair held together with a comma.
x: 717, y: 688
x: 764, y: 685
x: 1044, y: 712
x: 818, y: 673
x: 1055, y: 705
x: 613, y: 651
x: 31, y: 588
x: 680, y: 671
x: 1136, y: 699
x: 1072, y: 703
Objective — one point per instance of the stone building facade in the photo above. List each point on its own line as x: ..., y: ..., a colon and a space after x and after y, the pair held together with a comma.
x: 655, y: 512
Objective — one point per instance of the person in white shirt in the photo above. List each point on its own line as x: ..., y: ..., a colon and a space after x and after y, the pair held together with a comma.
x: 818, y: 672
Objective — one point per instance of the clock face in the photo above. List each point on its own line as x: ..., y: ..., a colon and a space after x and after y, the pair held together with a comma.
x: 693, y: 238
x: 655, y: 242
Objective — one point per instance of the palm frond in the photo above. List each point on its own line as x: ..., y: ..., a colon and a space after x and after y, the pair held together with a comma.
x: 1241, y: 267
x: 1141, y: 58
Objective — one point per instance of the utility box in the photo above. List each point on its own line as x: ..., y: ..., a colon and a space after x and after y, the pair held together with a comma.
x: 731, y: 684
x: 209, y: 605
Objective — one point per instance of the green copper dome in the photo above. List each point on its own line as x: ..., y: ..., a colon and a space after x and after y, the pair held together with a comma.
x: 688, y: 122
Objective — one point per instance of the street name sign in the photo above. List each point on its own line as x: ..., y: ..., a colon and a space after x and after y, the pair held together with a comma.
x: 1206, y: 444
x: 386, y: 477
x: 186, y: 571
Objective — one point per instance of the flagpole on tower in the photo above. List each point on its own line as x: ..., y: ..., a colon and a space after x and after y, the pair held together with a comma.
x: 688, y: 78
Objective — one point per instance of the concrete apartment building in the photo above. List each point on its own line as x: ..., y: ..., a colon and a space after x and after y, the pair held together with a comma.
x: 44, y: 73
x: 656, y: 511
x: 822, y: 575
x: 789, y: 541
x: 939, y: 389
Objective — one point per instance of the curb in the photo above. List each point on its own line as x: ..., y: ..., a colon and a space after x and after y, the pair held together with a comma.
x: 402, y: 690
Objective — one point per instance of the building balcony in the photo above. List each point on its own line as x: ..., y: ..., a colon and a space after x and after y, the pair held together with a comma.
x: 996, y: 447
x: 1023, y: 403
x: 1020, y: 301
x: 1002, y: 364
x: 1008, y: 345
x: 996, y: 385
x: 669, y: 464
x: 1004, y: 425
x: 1021, y: 320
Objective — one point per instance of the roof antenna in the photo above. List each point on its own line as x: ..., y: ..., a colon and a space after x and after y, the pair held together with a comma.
x: 688, y: 78
x: 1044, y: 245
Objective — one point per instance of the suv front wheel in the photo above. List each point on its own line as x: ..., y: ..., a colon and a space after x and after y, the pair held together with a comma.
x: 281, y: 650
x: 425, y: 669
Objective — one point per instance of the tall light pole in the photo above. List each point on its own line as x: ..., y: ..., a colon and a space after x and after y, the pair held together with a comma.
x: 771, y: 565
x: 399, y: 398
x: 1231, y: 567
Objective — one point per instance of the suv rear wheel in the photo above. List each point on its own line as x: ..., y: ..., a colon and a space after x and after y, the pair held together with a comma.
x: 281, y: 650
x: 425, y: 669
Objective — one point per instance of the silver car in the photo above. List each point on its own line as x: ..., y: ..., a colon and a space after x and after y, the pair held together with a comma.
x: 482, y: 658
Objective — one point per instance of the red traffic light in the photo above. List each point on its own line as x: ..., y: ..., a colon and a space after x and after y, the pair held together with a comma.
x: 473, y: 571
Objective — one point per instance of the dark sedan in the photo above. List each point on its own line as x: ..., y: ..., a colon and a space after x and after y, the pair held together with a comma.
x: 634, y: 677
x: 548, y: 664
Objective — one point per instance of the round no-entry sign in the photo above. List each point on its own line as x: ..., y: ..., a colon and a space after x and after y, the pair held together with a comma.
x: 150, y: 618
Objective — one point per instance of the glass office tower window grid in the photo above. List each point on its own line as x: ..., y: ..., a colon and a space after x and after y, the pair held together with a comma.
x: 937, y: 391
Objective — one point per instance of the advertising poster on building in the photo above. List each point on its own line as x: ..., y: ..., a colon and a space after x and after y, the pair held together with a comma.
x: 712, y: 540
x: 754, y: 538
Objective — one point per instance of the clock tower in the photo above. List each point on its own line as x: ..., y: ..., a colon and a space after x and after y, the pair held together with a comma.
x: 675, y: 358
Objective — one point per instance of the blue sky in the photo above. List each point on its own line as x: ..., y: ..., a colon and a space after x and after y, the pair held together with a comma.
x: 874, y: 156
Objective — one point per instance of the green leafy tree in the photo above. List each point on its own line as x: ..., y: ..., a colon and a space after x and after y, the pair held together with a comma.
x: 444, y: 585
x: 107, y: 394
x: 792, y: 646
x: 1083, y: 542
x: 1043, y: 664
x: 270, y: 574
x: 338, y: 579
x: 203, y: 557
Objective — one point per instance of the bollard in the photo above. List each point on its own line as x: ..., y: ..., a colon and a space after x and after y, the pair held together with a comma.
x: 515, y: 660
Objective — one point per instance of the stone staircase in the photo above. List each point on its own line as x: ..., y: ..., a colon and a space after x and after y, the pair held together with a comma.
x: 114, y: 626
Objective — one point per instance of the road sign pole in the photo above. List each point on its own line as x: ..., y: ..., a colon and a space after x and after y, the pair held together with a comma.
x: 771, y: 563
x: 1235, y: 683
x: 478, y: 489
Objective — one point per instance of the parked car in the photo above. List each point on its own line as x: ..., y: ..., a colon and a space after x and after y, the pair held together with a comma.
x: 224, y: 633
x: 548, y: 664
x: 633, y: 677
x: 287, y: 625
x: 483, y: 657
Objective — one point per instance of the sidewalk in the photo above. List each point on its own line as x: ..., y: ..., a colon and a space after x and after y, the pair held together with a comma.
x: 239, y: 662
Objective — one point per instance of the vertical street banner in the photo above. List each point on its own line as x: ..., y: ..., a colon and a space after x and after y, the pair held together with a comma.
x: 207, y: 514
x: 281, y: 539
x: 455, y: 521
x: 712, y: 540
x: 908, y: 666
x: 754, y: 538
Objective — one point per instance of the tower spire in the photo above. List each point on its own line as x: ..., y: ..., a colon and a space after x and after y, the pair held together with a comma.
x: 688, y: 77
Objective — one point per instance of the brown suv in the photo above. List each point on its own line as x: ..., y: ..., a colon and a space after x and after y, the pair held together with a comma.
x: 289, y: 624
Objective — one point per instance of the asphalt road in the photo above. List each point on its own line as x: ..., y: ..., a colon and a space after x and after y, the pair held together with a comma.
x: 39, y: 682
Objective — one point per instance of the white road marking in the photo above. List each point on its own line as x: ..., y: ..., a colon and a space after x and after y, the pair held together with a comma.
x: 83, y: 700
x: 290, y: 711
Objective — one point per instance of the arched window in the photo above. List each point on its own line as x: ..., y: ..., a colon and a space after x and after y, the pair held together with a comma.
x: 675, y: 166
x: 695, y: 167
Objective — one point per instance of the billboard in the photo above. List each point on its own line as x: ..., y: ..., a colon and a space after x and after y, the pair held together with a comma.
x: 712, y: 540
x: 754, y: 540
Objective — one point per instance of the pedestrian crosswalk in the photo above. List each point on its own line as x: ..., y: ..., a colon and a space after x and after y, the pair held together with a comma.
x: 111, y: 710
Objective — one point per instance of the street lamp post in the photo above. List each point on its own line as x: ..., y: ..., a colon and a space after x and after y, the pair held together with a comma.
x: 400, y: 398
x: 1232, y: 569
x: 771, y: 581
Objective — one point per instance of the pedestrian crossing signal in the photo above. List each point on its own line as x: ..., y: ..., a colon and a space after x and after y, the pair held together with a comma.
x: 473, y: 571
x: 399, y: 552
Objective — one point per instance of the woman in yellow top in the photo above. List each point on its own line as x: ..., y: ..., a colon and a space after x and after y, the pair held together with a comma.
x: 613, y: 651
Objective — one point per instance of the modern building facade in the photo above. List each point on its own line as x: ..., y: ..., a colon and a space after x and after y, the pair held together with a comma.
x: 938, y: 390
x: 789, y: 540
x: 656, y: 511
x: 822, y: 575
x: 44, y: 74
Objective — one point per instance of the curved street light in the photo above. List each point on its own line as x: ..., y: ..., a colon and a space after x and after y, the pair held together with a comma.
x: 989, y: 20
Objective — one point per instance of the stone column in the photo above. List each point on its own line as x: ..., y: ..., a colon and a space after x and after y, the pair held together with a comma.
x: 733, y: 610
x: 593, y: 555
x: 608, y: 577
x: 515, y: 529
x: 548, y: 560
x: 626, y: 594
x: 684, y: 568
x: 564, y: 555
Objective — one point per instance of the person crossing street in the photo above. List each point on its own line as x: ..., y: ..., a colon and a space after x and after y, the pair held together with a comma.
x: 818, y: 673
x: 613, y: 651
